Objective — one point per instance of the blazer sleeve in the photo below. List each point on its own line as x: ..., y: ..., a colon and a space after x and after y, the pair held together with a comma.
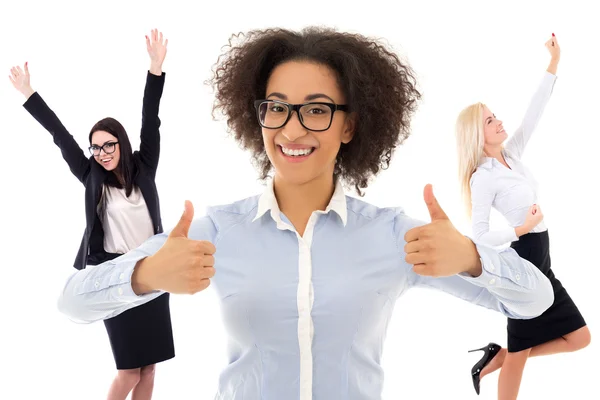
x: 71, y: 152
x: 150, y: 136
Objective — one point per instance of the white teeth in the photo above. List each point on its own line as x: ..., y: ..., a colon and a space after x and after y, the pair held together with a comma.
x: 296, y: 152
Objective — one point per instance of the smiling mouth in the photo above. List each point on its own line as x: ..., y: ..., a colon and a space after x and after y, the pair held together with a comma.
x: 106, y: 160
x: 501, y: 131
x: 296, y: 153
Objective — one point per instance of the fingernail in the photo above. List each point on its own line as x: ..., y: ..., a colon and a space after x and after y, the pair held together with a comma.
x: 552, y: 34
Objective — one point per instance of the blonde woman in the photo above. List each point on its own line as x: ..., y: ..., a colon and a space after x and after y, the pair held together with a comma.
x: 492, y: 175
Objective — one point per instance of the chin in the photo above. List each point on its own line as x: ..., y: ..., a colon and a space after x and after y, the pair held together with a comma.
x: 109, y: 168
x: 295, y: 178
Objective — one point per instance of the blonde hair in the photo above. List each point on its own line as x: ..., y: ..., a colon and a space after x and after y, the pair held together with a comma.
x: 469, y: 143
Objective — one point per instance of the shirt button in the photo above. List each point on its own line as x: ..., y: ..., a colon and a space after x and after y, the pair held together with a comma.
x: 492, y: 268
x: 492, y: 281
x: 97, y: 284
x: 121, y: 277
x: 518, y: 276
x: 120, y: 291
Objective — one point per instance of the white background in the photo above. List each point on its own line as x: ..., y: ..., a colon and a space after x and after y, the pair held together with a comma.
x: 89, y: 61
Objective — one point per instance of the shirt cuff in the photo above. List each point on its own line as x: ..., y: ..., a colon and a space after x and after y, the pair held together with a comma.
x: 31, y: 101
x: 490, y: 273
x: 549, y: 80
x: 118, y: 281
x: 156, y: 78
x: 511, y: 235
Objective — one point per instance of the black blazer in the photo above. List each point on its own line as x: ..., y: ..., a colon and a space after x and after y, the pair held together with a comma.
x: 93, y: 175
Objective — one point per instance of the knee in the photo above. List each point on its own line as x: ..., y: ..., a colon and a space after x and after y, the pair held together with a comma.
x: 129, y: 377
x: 517, y: 358
x: 579, y: 339
x: 147, y: 372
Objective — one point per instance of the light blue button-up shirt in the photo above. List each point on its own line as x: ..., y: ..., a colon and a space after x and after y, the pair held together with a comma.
x: 306, y: 315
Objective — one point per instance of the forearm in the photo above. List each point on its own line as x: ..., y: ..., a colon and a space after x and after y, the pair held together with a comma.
x: 522, y: 230
x: 104, y: 291
x: 496, y: 237
x: 150, y: 134
x: 519, y: 288
x: 71, y: 152
x: 114, y: 295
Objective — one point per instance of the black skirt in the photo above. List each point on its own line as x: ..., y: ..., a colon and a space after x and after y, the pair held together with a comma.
x: 142, y: 335
x: 561, y: 318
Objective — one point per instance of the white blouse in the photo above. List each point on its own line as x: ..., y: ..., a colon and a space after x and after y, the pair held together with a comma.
x: 126, y: 220
x: 511, y: 191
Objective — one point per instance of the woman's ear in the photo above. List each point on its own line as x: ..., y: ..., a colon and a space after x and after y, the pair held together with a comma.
x: 349, y: 128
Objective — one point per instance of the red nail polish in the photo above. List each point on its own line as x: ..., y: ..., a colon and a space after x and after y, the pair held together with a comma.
x: 553, y: 34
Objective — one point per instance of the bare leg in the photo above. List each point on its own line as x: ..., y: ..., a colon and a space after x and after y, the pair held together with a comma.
x: 511, y: 374
x: 573, y: 341
x: 143, y: 390
x: 123, y: 383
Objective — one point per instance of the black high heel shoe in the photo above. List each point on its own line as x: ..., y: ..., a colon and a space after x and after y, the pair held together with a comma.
x: 489, y: 352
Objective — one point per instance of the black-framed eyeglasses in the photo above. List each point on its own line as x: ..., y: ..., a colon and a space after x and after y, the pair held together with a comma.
x: 108, y: 147
x: 317, y: 116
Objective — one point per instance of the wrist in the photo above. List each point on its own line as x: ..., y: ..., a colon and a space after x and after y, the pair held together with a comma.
x: 139, y: 279
x: 522, y: 230
x: 27, y: 92
x: 553, y: 66
x: 475, y: 268
x: 156, y: 69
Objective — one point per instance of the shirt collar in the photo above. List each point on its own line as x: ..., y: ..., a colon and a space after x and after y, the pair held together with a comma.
x: 268, y: 202
x: 486, y: 162
x: 490, y: 162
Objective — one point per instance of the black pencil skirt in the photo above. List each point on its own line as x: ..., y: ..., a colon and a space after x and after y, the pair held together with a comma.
x: 561, y: 318
x: 142, y: 335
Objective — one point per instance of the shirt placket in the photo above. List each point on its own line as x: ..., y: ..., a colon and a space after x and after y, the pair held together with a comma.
x: 305, y: 299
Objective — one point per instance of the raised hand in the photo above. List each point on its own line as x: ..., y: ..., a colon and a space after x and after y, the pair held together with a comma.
x: 553, y: 48
x: 157, y: 50
x: 439, y: 249
x: 20, y: 80
x: 181, y: 265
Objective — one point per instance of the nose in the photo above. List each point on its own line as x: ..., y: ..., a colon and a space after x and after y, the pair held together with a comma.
x: 293, y: 129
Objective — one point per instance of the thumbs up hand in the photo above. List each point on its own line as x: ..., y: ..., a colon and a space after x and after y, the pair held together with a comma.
x: 438, y: 248
x: 181, y: 265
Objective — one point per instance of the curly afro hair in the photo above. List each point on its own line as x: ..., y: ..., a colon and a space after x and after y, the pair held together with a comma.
x: 379, y: 89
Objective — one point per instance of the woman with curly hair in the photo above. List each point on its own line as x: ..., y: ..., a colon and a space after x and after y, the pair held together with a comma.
x: 307, y: 276
x: 493, y: 175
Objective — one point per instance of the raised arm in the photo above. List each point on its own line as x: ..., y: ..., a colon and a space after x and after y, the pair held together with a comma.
x: 516, y: 144
x: 180, y: 261
x: 482, y: 197
x: 78, y: 163
x: 155, y: 80
x: 436, y: 255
